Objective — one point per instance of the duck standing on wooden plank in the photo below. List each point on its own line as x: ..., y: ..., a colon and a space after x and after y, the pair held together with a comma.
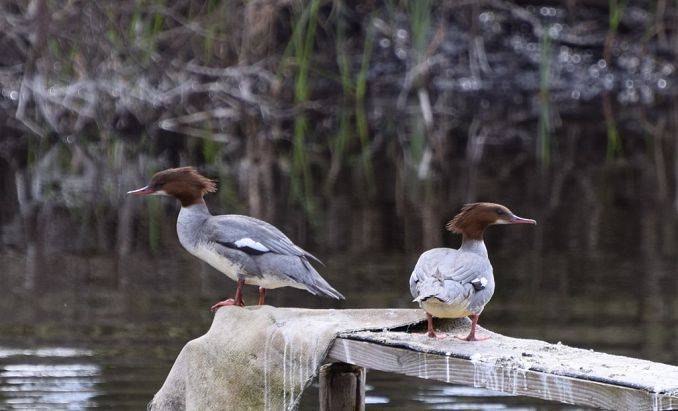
x: 449, y: 283
x: 247, y: 250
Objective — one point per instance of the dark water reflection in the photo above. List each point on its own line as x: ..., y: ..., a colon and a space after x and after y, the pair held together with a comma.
x: 98, y: 296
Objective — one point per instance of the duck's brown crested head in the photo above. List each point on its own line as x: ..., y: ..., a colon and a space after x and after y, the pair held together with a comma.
x: 474, y: 218
x: 183, y: 183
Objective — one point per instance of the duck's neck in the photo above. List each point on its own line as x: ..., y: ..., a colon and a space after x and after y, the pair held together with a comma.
x: 190, y: 223
x: 473, y: 245
x: 196, y: 208
x: 188, y: 198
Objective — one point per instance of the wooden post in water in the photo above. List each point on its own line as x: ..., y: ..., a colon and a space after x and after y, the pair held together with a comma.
x: 342, y: 387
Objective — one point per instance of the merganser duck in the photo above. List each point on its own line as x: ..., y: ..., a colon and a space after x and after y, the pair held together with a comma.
x: 247, y: 250
x: 449, y: 283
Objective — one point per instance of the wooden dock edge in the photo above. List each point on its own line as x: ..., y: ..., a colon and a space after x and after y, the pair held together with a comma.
x: 496, y: 377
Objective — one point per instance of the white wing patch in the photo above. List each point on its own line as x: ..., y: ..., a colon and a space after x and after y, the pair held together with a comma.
x: 255, y: 245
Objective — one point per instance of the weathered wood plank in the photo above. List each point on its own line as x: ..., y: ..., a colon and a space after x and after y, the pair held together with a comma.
x: 537, y: 356
x: 342, y: 387
x: 498, y: 376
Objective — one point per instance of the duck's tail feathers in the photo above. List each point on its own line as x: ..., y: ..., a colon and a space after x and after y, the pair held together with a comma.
x: 318, y: 286
x: 308, y: 255
x: 325, y: 290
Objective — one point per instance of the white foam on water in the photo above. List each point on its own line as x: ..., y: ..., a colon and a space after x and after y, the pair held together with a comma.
x: 6, y: 352
x: 50, y: 370
x: 33, y: 386
x: 463, y: 391
x: 376, y: 399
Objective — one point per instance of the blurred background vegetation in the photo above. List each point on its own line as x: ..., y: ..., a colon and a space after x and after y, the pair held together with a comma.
x: 357, y: 127
x: 298, y: 95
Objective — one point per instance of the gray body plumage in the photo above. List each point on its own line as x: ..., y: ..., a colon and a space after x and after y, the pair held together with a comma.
x: 451, y: 283
x: 250, y: 249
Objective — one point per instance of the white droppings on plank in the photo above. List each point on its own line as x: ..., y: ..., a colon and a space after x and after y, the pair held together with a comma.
x: 447, y: 368
x: 521, y: 367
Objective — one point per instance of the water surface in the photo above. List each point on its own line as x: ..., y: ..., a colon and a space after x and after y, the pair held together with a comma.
x: 99, y: 297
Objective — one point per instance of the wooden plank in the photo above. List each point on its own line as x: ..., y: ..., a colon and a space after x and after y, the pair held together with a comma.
x: 499, y: 377
x: 518, y: 353
x: 342, y: 387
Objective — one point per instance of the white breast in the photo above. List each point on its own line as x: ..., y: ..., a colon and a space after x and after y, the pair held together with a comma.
x: 216, y: 260
x: 191, y: 220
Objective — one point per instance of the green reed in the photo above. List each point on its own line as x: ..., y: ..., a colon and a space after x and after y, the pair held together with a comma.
x: 150, y: 26
x: 158, y: 20
x: 154, y: 214
x: 544, y: 131
x: 303, y: 40
x: 211, y: 149
x: 136, y: 17
x: 340, y: 142
x: 342, y: 58
x: 212, y: 29
x: 614, y: 144
x: 360, y: 114
x: 353, y: 92
x: 420, y: 23
x: 228, y: 194
x: 613, y: 139
x: 420, y: 27
x: 616, y: 9
x: 417, y: 140
x: 616, y: 13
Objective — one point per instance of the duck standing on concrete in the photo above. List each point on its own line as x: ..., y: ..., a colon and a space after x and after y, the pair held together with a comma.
x: 449, y: 283
x: 247, y: 250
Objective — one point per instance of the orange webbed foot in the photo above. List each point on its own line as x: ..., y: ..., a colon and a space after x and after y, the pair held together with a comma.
x: 436, y: 335
x: 225, y: 303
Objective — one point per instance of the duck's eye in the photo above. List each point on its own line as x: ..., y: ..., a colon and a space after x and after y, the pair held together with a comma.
x: 500, y: 211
